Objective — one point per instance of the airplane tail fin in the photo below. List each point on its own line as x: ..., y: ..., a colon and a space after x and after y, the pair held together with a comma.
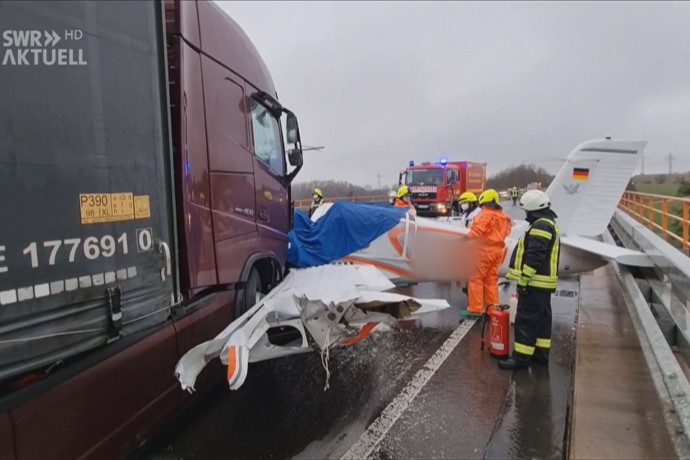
x: 587, y: 189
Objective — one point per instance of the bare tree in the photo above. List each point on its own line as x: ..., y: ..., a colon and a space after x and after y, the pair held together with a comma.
x: 336, y: 189
x: 519, y: 176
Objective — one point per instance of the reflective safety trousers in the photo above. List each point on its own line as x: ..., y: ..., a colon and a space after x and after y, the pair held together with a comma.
x: 533, y: 326
x: 534, y: 261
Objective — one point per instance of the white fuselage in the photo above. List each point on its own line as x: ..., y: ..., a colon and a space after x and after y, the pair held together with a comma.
x: 585, y: 193
x: 424, y: 249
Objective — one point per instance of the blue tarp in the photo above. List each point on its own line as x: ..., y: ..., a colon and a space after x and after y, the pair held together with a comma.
x: 344, y: 229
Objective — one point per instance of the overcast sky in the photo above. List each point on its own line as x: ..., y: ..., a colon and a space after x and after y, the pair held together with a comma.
x: 382, y: 83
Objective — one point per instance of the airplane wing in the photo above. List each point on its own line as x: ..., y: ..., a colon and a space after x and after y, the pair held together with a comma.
x: 325, y: 306
x: 621, y: 255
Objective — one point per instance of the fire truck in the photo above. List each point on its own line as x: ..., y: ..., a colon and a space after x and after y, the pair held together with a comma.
x: 435, y: 187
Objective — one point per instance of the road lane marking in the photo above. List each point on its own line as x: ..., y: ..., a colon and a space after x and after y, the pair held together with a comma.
x: 373, y: 435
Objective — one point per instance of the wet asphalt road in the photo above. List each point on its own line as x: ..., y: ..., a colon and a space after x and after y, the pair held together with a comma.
x: 469, y: 408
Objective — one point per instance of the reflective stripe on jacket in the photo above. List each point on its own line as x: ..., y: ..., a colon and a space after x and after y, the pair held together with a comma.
x: 534, y: 261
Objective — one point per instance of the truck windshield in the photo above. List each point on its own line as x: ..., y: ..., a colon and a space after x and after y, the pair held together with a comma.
x: 431, y: 176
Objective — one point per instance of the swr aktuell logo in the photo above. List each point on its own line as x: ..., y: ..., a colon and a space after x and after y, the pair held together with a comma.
x: 37, y: 47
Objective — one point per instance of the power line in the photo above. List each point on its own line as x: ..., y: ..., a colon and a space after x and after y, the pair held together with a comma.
x: 670, y: 163
x: 379, y: 176
x: 306, y: 148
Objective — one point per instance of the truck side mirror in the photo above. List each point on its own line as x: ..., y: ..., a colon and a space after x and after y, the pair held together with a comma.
x: 292, y: 129
x: 294, y: 154
x: 295, y: 157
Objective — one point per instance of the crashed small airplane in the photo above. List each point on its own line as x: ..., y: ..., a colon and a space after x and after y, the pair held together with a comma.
x: 584, y: 194
x: 348, y: 255
x: 328, y: 305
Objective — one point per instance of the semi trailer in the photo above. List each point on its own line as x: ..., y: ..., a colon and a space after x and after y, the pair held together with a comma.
x: 145, y: 171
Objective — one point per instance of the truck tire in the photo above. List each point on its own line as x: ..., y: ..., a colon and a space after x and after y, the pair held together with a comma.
x: 252, y: 292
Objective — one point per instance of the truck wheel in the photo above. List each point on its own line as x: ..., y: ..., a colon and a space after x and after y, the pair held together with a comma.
x: 251, y: 294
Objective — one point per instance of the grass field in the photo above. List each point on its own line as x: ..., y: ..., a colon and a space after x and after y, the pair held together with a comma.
x: 672, y: 188
x: 674, y: 226
x: 659, y: 189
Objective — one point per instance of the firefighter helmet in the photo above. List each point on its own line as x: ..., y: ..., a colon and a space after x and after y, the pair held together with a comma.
x: 402, y: 191
x: 468, y: 197
x: 534, y: 200
x: 488, y: 196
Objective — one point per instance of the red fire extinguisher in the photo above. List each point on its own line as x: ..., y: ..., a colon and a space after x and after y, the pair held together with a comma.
x: 499, y: 330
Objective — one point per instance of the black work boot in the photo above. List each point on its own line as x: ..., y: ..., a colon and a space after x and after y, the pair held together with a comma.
x: 513, y: 363
x: 541, y: 356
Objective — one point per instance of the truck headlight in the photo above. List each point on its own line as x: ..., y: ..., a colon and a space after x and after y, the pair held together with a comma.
x: 441, y: 207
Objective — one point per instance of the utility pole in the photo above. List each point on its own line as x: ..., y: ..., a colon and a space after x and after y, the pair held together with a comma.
x: 670, y: 163
x: 379, y: 176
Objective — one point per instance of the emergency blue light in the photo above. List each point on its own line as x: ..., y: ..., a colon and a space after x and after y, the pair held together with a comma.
x: 443, y: 161
x: 187, y: 165
x: 411, y: 162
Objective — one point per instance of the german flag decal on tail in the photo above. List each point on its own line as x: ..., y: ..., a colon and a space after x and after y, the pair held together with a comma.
x: 580, y: 173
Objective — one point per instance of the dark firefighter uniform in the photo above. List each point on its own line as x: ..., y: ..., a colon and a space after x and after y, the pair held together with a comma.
x: 316, y: 202
x: 314, y: 205
x: 514, y: 194
x: 534, y: 265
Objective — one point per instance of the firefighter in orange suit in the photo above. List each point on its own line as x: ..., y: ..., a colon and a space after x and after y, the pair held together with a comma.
x: 402, y: 199
x: 490, y: 228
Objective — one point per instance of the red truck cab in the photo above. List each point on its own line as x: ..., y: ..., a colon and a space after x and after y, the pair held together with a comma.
x: 436, y: 187
x: 149, y: 188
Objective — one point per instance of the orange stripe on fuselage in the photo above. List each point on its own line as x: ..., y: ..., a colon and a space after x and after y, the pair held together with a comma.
x: 366, y: 329
x: 395, y: 233
x: 232, y: 362
x: 439, y: 230
x: 393, y: 237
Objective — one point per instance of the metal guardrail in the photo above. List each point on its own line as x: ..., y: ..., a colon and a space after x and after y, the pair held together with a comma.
x: 657, y: 301
x: 671, y: 385
x: 669, y: 262
x: 660, y: 212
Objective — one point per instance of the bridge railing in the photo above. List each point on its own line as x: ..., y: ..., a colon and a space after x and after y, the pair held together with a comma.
x: 366, y: 199
x: 667, y: 215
